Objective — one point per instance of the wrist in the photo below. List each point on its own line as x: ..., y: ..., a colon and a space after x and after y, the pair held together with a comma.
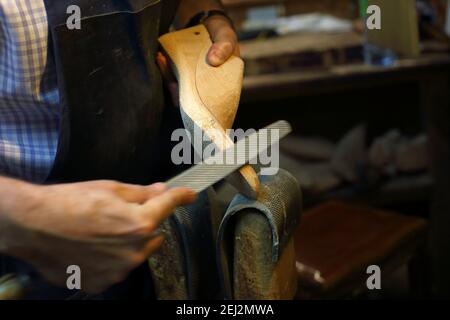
x: 16, y: 195
x: 16, y: 200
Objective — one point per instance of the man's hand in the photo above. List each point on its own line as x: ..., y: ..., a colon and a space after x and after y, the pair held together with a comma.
x: 105, y: 228
x: 225, y: 44
x: 224, y: 39
x: 219, y: 27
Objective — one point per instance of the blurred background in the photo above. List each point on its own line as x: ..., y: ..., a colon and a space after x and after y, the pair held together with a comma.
x: 370, y: 111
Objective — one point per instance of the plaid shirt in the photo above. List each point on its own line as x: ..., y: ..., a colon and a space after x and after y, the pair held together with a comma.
x: 29, y: 99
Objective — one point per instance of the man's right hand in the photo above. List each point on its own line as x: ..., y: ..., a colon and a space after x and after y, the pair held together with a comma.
x: 105, y: 228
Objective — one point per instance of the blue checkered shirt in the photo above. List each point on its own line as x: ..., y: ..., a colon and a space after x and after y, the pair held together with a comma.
x: 29, y: 99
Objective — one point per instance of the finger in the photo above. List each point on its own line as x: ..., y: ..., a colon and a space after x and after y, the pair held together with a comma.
x: 174, y: 93
x: 161, y: 207
x: 126, y: 192
x: 152, y: 246
x: 138, y: 194
x: 220, y: 52
x: 163, y: 64
x: 237, y: 50
x: 172, y: 84
x: 224, y: 39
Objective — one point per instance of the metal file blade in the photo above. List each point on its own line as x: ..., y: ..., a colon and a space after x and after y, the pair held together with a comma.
x: 205, y: 174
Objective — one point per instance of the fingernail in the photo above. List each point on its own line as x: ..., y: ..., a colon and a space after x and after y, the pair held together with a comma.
x: 219, y: 54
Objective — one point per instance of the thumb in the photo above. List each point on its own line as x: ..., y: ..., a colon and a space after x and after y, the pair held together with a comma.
x: 219, y: 53
x: 162, y: 206
x: 224, y: 41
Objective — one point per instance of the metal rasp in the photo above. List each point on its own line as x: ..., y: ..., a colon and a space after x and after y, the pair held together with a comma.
x: 211, y: 171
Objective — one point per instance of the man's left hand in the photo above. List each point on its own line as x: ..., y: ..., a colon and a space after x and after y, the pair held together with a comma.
x: 225, y: 44
x: 224, y: 39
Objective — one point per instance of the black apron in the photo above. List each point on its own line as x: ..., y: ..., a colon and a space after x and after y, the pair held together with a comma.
x: 111, y: 90
x: 114, y: 122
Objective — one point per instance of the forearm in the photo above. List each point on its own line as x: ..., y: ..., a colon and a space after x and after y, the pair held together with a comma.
x: 188, y: 8
x: 14, y: 194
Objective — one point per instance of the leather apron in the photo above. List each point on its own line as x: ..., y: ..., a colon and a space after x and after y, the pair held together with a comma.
x: 115, y: 123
